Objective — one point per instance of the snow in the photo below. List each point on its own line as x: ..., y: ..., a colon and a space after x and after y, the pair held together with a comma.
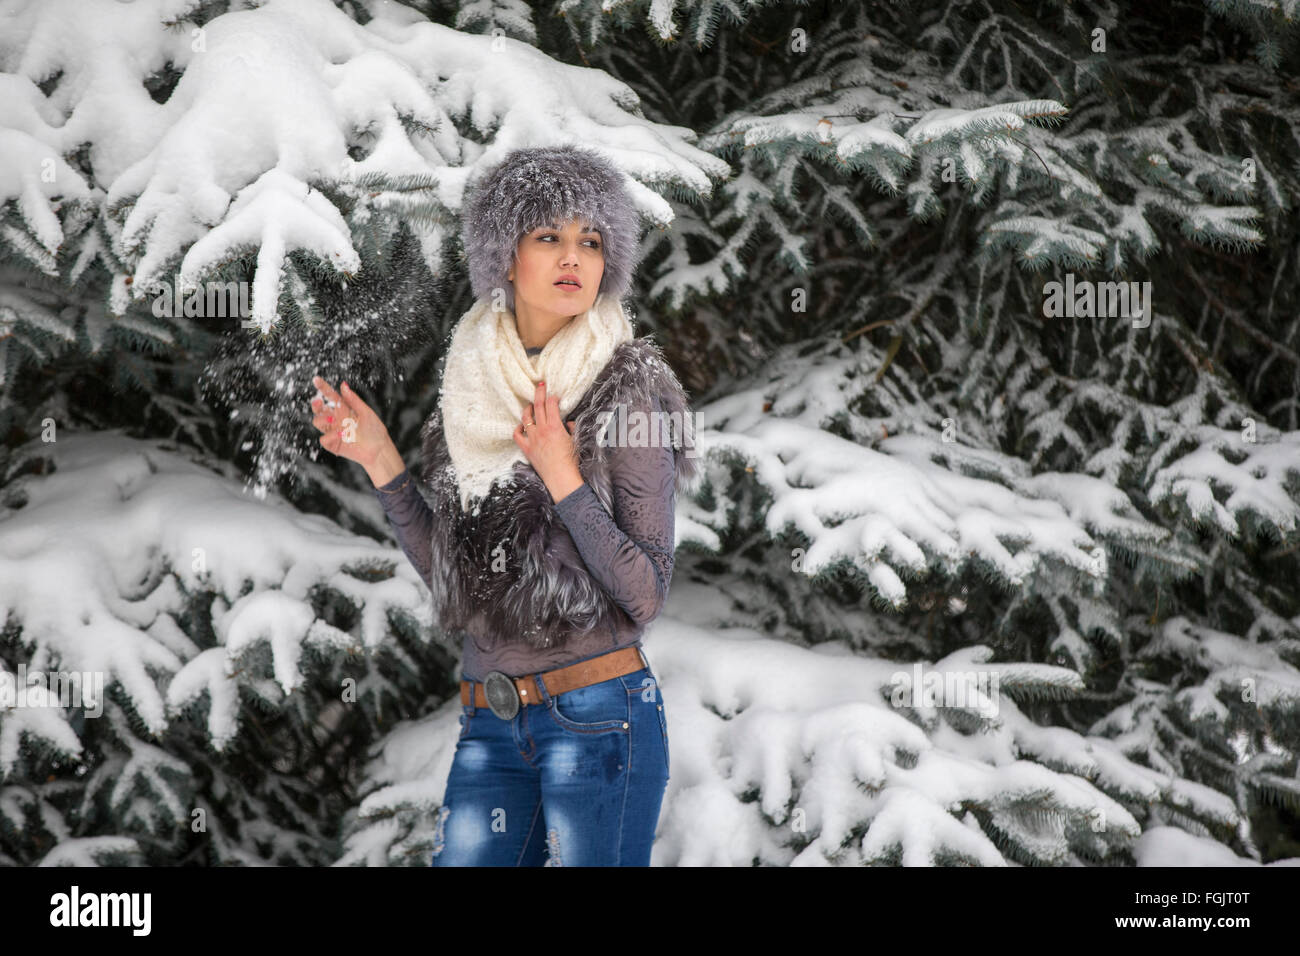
x: 783, y: 754
x: 89, y: 851
x: 1171, y: 846
x: 814, y: 734
x: 147, y: 526
x: 893, y: 508
x: 1233, y: 663
x: 1258, y: 484
x: 947, y: 123
x: 270, y: 100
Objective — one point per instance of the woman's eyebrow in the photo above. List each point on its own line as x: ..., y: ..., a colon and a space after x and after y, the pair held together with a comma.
x: 588, y: 227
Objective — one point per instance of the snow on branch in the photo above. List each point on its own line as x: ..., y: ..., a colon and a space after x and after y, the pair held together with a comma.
x: 790, y: 755
x: 105, y: 553
x: 960, y: 125
x: 276, y: 103
x: 1251, y: 477
x: 891, y: 513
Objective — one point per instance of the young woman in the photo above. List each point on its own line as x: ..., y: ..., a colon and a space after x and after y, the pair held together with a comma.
x: 545, y: 526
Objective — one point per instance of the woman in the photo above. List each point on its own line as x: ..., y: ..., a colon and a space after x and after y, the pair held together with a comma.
x: 547, y: 536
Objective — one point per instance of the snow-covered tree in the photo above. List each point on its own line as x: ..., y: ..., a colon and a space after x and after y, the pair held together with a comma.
x: 862, y: 220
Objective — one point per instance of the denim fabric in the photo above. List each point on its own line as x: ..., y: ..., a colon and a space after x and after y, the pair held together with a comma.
x: 577, y: 780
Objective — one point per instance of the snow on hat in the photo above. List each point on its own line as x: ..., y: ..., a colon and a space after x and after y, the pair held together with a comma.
x: 538, y: 185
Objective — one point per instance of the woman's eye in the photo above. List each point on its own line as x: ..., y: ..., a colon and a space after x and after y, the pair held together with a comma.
x: 550, y: 235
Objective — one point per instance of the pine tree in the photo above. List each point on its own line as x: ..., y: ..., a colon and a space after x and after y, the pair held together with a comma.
x: 863, y: 218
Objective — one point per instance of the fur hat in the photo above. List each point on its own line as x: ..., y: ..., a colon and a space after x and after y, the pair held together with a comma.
x: 539, y: 185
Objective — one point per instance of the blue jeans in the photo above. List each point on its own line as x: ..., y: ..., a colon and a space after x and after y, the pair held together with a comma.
x: 577, y: 780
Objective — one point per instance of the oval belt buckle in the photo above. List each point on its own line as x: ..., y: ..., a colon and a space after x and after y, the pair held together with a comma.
x: 502, y: 695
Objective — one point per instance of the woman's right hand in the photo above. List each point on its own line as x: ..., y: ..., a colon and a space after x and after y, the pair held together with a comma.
x: 350, y: 428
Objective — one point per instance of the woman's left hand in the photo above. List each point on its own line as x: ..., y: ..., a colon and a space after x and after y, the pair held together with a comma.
x: 547, y: 443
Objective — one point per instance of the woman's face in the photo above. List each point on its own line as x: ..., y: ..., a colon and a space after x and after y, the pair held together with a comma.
x: 558, y: 269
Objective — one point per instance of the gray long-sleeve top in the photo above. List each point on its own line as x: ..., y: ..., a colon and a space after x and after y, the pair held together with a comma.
x: 630, y: 553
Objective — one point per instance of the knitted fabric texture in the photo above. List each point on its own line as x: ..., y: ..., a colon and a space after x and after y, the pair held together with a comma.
x: 489, y: 379
x: 502, y: 564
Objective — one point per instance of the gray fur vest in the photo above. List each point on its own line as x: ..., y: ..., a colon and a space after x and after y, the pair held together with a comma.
x: 537, y: 598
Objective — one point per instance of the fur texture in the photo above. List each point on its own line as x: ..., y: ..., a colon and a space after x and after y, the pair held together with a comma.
x: 539, y: 598
x: 539, y: 185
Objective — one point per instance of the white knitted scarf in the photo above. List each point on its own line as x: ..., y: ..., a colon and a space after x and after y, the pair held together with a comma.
x: 489, y: 379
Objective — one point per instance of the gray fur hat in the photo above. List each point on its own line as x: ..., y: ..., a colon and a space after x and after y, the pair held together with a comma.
x: 538, y: 185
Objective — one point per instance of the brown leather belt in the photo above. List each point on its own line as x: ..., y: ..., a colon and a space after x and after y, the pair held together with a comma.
x: 562, y: 679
